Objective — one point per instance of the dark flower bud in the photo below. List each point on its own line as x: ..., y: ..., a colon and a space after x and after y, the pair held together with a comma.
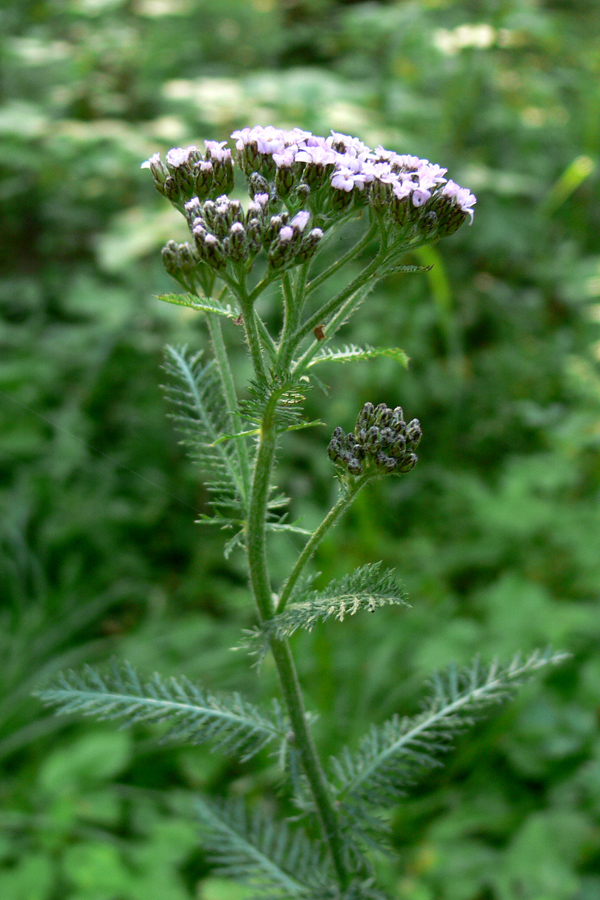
x: 187, y: 257
x: 284, y: 180
x: 204, y: 178
x: 387, y: 435
x: 338, y: 433
x: 309, y: 245
x: 383, y: 414
x: 258, y: 184
x: 212, y: 252
x: 209, y: 212
x: 354, y: 466
x: 365, y: 416
x: 413, y: 432
x: 408, y: 463
x: 273, y: 227
x: 255, y: 235
x: 398, y: 446
x: 397, y: 418
x: 223, y: 179
x: 373, y: 441
x: 334, y: 450
x: 169, y: 258
x: 238, y: 242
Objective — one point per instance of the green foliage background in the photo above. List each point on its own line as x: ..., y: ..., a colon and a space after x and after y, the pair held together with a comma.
x: 496, y: 534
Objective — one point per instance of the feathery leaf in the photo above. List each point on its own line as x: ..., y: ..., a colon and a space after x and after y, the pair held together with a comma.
x: 385, y: 762
x: 289, y: 393
x: 352, y: 352
x: 203, y: 304
x: 202, y: 416
x: 191, y: 715
x: 258, y: 850
x: 367, y: 588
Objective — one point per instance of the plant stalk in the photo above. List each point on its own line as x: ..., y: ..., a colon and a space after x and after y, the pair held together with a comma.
x: 292, y: 693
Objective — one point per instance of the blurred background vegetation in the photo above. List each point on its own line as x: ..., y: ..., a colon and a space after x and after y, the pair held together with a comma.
x: 496, y: 534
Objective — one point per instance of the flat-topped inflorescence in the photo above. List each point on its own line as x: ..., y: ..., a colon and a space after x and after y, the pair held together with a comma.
x: 296, y: 177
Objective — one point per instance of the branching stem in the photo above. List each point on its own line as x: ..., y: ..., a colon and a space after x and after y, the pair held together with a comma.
x: 317, y: 536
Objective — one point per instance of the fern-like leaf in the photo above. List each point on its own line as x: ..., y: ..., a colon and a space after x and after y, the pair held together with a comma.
x: 189, y: 713
x: 286, y: 392
x: 367, y: 588
x: 202, y: 416
x: 378, y: 772
x: 203, y: 304
x: 351, y: 352
x: 257, y: 850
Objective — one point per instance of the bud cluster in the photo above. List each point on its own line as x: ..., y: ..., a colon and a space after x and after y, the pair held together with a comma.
x: 186, y: 173
x: 381, y: 440
x: 222, y: 230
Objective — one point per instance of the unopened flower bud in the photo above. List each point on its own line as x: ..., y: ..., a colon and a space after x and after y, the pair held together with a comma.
x: 413, y: 433
x: 354, y: 466
x: 373, y: 441
x: 408, y: 463
x: 309, y: 245
x: 255, y: 235
x: 397, y: 418
x: 238, y: 243
x: 365, y: 416
x: 211, y: 251
x: 203, y: 178
x: 258, y: 184
x: 383, y: 414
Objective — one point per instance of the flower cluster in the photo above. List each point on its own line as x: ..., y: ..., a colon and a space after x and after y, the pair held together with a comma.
x: 294, y: 176
x: 349, y: 167
x: 381, y: 440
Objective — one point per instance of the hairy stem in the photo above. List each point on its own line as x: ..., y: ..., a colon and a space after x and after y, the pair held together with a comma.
x: 261, y: 588
x: 350, y: 254
x: 252, y: 329
x: 331, y: 306
x: 317, y: 536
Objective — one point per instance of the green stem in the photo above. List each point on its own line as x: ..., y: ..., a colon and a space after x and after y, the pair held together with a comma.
x: 261, y: 588
x: 354, y: 251
x: 333, y: 305
x: 293, y: 298
x: 317, y: 536
x: 332, y: 326
x: 252, y: 330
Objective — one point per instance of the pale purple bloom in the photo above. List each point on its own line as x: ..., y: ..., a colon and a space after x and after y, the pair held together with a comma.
x: 352, y: 146
x: 286, y: 234
x: 343, y: 180
x: 420, y: 196
x: 179, y: 156
x: 210, y: 239
x: 402, y: 189
x: 217, y: 150
x: 318, y: 155
x: 192, y: 205
x: 236, y: 227
x: 153, y: 161
x: 463, y: 196
x: 285, y: 159
x: 300, y: 220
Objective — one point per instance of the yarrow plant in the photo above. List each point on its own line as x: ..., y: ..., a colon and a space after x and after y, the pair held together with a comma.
x: 301, y: 191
